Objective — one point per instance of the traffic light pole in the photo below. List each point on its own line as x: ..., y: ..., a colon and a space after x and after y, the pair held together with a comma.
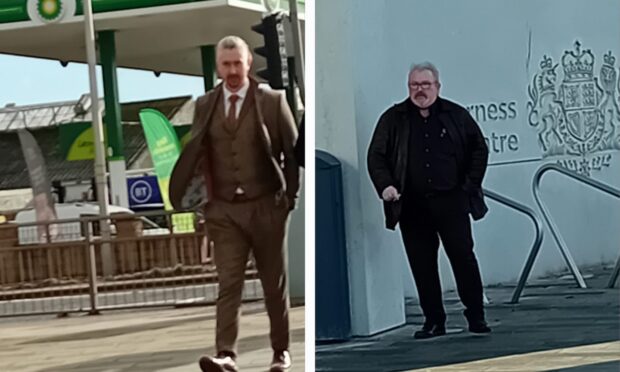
x: 299, y: 50
x: 207, y: 52
x: 290, y: 91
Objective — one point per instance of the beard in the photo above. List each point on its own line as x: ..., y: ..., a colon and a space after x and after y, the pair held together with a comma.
x: 233, y: 79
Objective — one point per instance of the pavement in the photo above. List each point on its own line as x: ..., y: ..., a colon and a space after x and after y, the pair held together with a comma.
x: 554, y: 327
x: 165, y: 340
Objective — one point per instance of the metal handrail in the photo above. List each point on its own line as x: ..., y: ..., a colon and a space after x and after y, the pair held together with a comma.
x: 554, y: 229
x: 537, y: 240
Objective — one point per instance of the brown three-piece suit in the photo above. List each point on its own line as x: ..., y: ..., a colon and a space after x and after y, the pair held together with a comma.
x: 249, y: 178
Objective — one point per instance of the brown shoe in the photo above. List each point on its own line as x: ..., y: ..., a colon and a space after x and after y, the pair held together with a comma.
x: 220, y: 363
x: 281, y: 361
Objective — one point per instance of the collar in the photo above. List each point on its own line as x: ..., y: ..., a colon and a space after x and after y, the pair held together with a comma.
x: 242, y: 92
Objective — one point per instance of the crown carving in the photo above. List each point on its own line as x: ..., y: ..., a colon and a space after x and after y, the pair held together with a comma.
x: 547, y: 77
x: 578, y: 64
x: 546, y: 63
x: 609, y: 60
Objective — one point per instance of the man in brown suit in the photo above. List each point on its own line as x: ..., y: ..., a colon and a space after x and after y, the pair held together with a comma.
x: 241, y: 159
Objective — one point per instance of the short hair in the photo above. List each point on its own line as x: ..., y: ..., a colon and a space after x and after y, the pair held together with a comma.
x: 424, y: 66
x: 232, y: 42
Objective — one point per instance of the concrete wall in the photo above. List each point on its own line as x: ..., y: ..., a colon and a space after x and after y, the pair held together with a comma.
x: 296, y: 251
x: 488, y: 53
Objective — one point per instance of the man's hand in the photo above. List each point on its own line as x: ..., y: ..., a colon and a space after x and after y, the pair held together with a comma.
x: 390, y: 194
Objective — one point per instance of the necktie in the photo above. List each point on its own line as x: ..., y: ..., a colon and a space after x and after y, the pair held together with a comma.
x: 231, y: 118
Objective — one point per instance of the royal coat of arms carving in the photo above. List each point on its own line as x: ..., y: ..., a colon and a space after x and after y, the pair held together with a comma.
x: 577, y: 118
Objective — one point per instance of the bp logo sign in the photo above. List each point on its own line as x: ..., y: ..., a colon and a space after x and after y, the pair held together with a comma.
x: 50, y: 11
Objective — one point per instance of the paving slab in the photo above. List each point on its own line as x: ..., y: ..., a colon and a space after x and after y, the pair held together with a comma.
x: 170, y: 340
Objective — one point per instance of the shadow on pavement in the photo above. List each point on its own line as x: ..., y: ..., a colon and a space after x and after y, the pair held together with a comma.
x: 548, y: 317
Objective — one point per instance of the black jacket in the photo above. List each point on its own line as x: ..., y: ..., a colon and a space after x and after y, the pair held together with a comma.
x: 387, y: 154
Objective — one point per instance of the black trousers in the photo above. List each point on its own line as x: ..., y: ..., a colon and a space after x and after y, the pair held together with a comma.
x: 425, y: 220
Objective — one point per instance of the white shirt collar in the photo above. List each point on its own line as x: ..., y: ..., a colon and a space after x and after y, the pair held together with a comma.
x: 242, y: 92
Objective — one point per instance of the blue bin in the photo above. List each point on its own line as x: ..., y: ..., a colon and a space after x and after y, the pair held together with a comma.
x: 333, y: 314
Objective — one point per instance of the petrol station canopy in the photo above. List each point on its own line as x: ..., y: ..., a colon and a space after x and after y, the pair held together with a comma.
x: 155, y: 35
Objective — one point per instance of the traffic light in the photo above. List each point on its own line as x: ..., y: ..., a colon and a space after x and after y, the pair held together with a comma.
x: 272, y: 28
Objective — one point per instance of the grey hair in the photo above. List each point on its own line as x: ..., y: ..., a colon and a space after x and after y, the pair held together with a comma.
x: 424, y: 66
x: 232, y: 42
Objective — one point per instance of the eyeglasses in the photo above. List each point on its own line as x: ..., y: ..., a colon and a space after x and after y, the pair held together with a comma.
x: 424, y: 85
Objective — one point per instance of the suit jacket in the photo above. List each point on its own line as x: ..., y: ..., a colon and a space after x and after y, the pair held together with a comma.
x: 191, y: 182
x: 388, y: 154
x: 300, y: 146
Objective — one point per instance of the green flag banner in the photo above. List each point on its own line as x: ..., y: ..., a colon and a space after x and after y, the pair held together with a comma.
x: 165, y: 149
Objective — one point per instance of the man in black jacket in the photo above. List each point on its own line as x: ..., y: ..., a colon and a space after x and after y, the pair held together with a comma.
x: 427, y: 159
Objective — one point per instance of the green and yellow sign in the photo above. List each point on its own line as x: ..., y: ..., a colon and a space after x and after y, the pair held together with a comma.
x: 77, y: 141
x: 183, y: 133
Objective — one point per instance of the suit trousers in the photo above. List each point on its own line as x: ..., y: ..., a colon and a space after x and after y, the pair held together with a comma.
x: 236, y: 228
x: 424, y: 221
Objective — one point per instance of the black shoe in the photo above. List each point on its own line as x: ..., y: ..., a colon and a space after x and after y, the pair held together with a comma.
x: 479, y: 327
x: 430, y: 330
